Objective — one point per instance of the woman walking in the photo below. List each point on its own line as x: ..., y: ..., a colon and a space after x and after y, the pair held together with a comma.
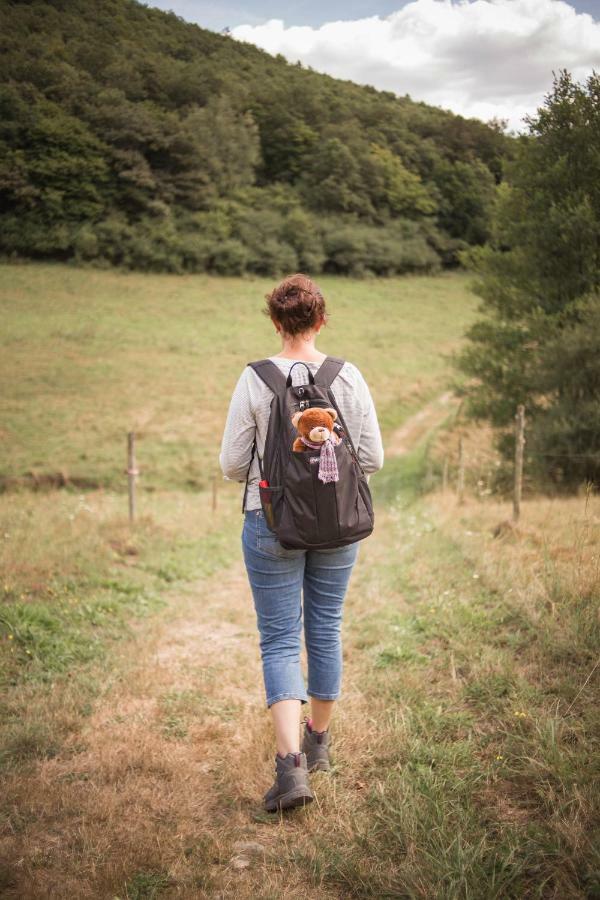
x: 280, y: 578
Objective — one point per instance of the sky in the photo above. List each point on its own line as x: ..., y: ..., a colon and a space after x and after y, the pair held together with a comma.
x: 482, y: 58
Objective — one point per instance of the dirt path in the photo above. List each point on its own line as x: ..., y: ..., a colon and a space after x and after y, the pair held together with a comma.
x: 161, y: 788
x: 416, y: 427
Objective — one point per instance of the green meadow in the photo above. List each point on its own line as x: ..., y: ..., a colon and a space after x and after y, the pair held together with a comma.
x: 89, y: 355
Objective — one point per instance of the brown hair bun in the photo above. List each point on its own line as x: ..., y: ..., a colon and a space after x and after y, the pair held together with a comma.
x: 296, y: 304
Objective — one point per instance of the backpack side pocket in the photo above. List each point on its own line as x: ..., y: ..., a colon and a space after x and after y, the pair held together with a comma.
x: 268, y: 499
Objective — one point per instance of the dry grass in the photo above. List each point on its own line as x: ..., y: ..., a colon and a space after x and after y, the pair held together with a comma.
x: 455, y: 722
x: 548, y: 558
x: 136, y: 788
x: 164, y: 779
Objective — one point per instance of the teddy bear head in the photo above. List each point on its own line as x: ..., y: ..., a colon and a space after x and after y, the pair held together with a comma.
x: 315, y: 423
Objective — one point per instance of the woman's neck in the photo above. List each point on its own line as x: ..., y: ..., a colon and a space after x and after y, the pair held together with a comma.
x: 300, y: 358
x: 306, y: 352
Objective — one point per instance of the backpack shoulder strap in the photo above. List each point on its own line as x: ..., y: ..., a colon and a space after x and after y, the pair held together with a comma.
x: 328, y: 369
x: 270, y: 374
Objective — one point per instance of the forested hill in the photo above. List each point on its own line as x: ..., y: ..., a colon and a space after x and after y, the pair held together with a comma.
x: 130, y: 137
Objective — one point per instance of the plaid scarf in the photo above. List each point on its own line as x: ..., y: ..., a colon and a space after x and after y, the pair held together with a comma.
x: 328, y: 468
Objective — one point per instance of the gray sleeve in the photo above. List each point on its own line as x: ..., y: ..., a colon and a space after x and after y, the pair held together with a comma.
x: 370, y: 448
x: 239, y: 433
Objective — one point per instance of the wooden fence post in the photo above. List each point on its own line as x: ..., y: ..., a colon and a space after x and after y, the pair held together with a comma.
x: 132, y: 473
x: 519, y: 443
x: 461, y: 471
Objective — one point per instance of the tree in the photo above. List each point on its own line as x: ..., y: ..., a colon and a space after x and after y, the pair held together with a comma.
x: 53, y: 173
x: 539, y: 281
x: 393, y: 187
x: 214, y: 152
x: 466, y: 199
x: 333, y: 182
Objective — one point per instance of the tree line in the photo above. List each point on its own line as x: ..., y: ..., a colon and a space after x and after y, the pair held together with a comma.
x: 129, y: 137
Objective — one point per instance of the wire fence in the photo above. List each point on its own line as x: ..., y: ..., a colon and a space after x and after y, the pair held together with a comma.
x: 458, y: 472
x: 484, y: 481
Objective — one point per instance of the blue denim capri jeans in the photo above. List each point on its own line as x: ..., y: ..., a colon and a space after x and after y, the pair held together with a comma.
x: 278, y: 578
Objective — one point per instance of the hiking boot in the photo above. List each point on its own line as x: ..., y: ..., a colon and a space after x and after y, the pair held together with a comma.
x: 316, y: 746
x: 291, y: 786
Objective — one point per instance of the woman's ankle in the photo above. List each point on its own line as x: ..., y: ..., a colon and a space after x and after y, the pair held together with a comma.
x: 311, y: 727
x: 283, y: 753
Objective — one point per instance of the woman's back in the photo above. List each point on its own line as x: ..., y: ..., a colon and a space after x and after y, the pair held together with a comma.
x: 248, y: 417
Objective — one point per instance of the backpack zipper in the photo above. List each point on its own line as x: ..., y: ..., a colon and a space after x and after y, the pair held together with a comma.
x: 349, y: 446
x: 305, y: 404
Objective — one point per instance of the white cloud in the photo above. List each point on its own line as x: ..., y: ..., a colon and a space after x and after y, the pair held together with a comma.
x: 483, y: 58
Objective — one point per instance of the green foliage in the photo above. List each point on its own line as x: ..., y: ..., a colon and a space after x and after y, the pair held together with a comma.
x: 129, y: 137
x: 215, y: 152
x: 569, y: 427
x: 333, y: 182
x: 53, y: 173
x: 467, y: 192
x: 364, y: 250
x: 539, y: 281
x: 400, y: 190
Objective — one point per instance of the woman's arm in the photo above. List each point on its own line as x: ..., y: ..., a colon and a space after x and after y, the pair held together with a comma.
x: 370, y: 449
x: 239, y: 433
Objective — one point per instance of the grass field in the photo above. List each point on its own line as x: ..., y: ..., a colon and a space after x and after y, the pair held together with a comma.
x: 91, y: 355
x: 466, y: 741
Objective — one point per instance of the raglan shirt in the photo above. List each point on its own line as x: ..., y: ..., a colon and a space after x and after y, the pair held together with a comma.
x: 248, y: 417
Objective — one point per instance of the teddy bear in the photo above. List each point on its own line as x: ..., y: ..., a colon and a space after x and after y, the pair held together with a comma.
x: 314, y: 424
x: 316, y: 432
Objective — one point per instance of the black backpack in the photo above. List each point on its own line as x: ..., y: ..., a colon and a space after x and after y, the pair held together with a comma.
x: 301, y: 510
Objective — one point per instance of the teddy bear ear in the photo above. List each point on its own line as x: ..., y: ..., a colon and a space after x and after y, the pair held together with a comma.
x: 332, y: 413
x: 296, y: 419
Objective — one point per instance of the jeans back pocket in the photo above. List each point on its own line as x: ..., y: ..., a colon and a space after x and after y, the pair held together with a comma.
x: 267, y: 542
